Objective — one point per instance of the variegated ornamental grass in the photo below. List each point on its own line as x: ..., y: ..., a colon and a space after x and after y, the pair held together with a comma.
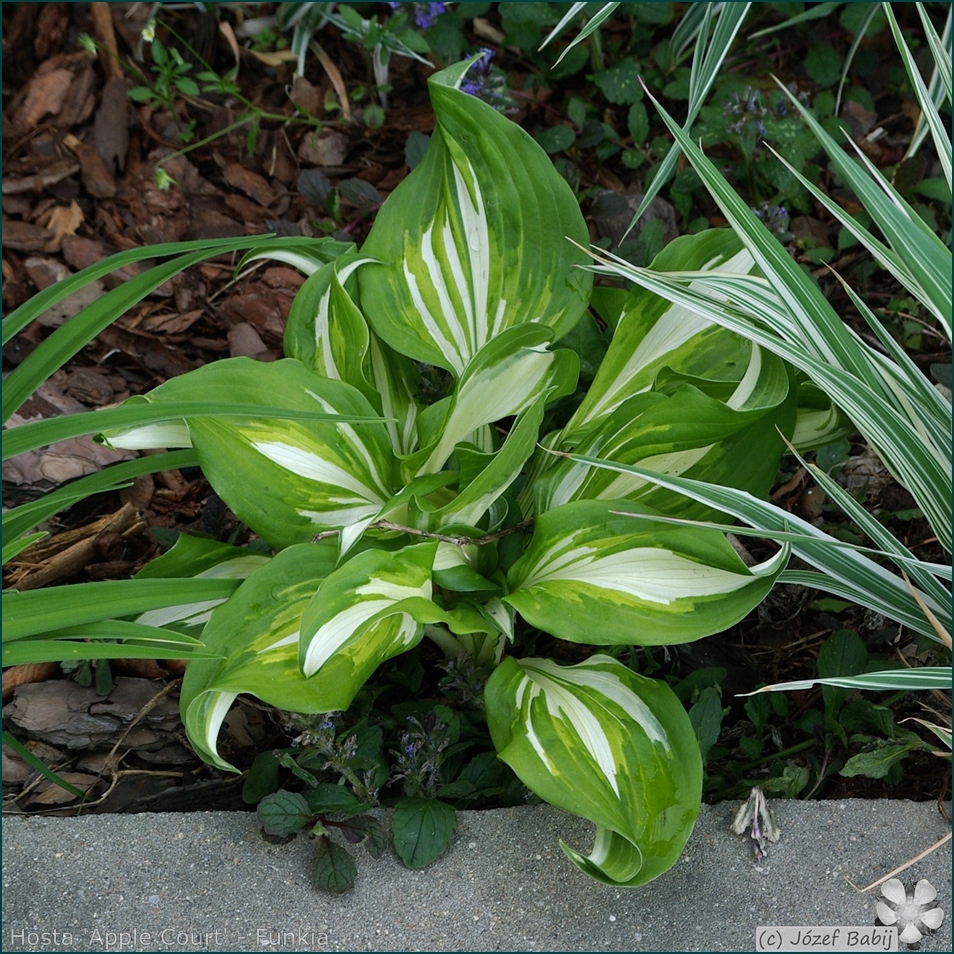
x: 903, y: 416
x: 399, y: 514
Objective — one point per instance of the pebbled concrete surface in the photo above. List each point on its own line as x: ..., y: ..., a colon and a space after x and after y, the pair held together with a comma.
x: 208, y: 882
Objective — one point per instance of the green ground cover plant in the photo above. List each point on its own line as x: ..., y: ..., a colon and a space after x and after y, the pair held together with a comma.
x: 452, y: 453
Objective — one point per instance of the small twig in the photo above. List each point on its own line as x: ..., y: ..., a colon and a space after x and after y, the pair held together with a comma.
x: 942, y: 633
x: 108, y: 51
x: 115, y: 778
x: 460, y: 540
x: 254, y: 267
x: 334, y: 74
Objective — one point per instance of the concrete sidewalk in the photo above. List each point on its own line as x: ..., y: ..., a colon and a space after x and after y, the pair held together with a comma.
x: 208, y: 882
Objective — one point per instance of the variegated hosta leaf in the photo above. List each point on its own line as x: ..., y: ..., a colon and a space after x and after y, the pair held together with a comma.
x: 462, y: 568
x: 818, y: 421
x: 289, y: 479
x: 327, y: 331
x: 308, y: 255
x: 485, y: 477
x: 257, y: 631
x: 681, y: 429
x: 204, y: 559
x: 468, y: 248
x: 653, y: 334
x: 591, y: 576
x: 368, y: 610
x: 396, y: 381
x: 506, y: 378
x: 600, y: 741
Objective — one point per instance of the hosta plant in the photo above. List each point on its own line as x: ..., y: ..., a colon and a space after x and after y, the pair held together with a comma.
x: 398, y: 462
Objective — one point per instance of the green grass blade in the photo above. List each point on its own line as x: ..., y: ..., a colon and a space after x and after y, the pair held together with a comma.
x: 39, y: 611
x: 592, y: 24
x: 918, y: 258
x: 818, y: 11
x: 20, y: 317
x: 10, y: 550
x: 821, y: 328
x: 76, y: 333
x: 39, y: 766
x: 880, y: 535
x: 29, y: 436
x: 850, y: 55
x: 18, y: 520
x: 940, y: 134
x: 31, y: 651
x: 889, y: 601
x: 940, y: 49
x: 905, y: 559
x: 109, y: 639
x: 921, y: 468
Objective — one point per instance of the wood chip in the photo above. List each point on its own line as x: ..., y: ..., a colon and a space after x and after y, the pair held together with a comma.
x: 63, y: 220
x: 14, y: 676
x: 53, y: 794
x: 44, y: 271
x: 55, y: 172
x: 23, y: 236
x: 171, y: 324
x: 245, y: 342
x: 306, y: 97
x: 111, y: 126
x: 62, y: 713
x: 72, y: 305
x: 97, y: 178
x: 45, y: 95
x: 251, y: 183
x: 326, y: 147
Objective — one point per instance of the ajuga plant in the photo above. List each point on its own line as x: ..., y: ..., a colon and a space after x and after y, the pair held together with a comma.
x: 407, y: 487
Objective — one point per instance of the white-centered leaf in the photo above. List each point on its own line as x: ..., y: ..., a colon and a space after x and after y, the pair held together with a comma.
x: 466, y: 249
x: 590, y: 576
x: 288, y: 479
x: 600, y: 741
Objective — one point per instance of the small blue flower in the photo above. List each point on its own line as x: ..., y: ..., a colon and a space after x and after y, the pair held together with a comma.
x: 482, y: 82
x: 424, y: 13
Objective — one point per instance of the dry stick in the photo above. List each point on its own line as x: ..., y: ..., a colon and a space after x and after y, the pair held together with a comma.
x: 907, y: 864
x: 79, y: 555
x: 944, y: 635
x: 109, y: 51
x: 115, y: 778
